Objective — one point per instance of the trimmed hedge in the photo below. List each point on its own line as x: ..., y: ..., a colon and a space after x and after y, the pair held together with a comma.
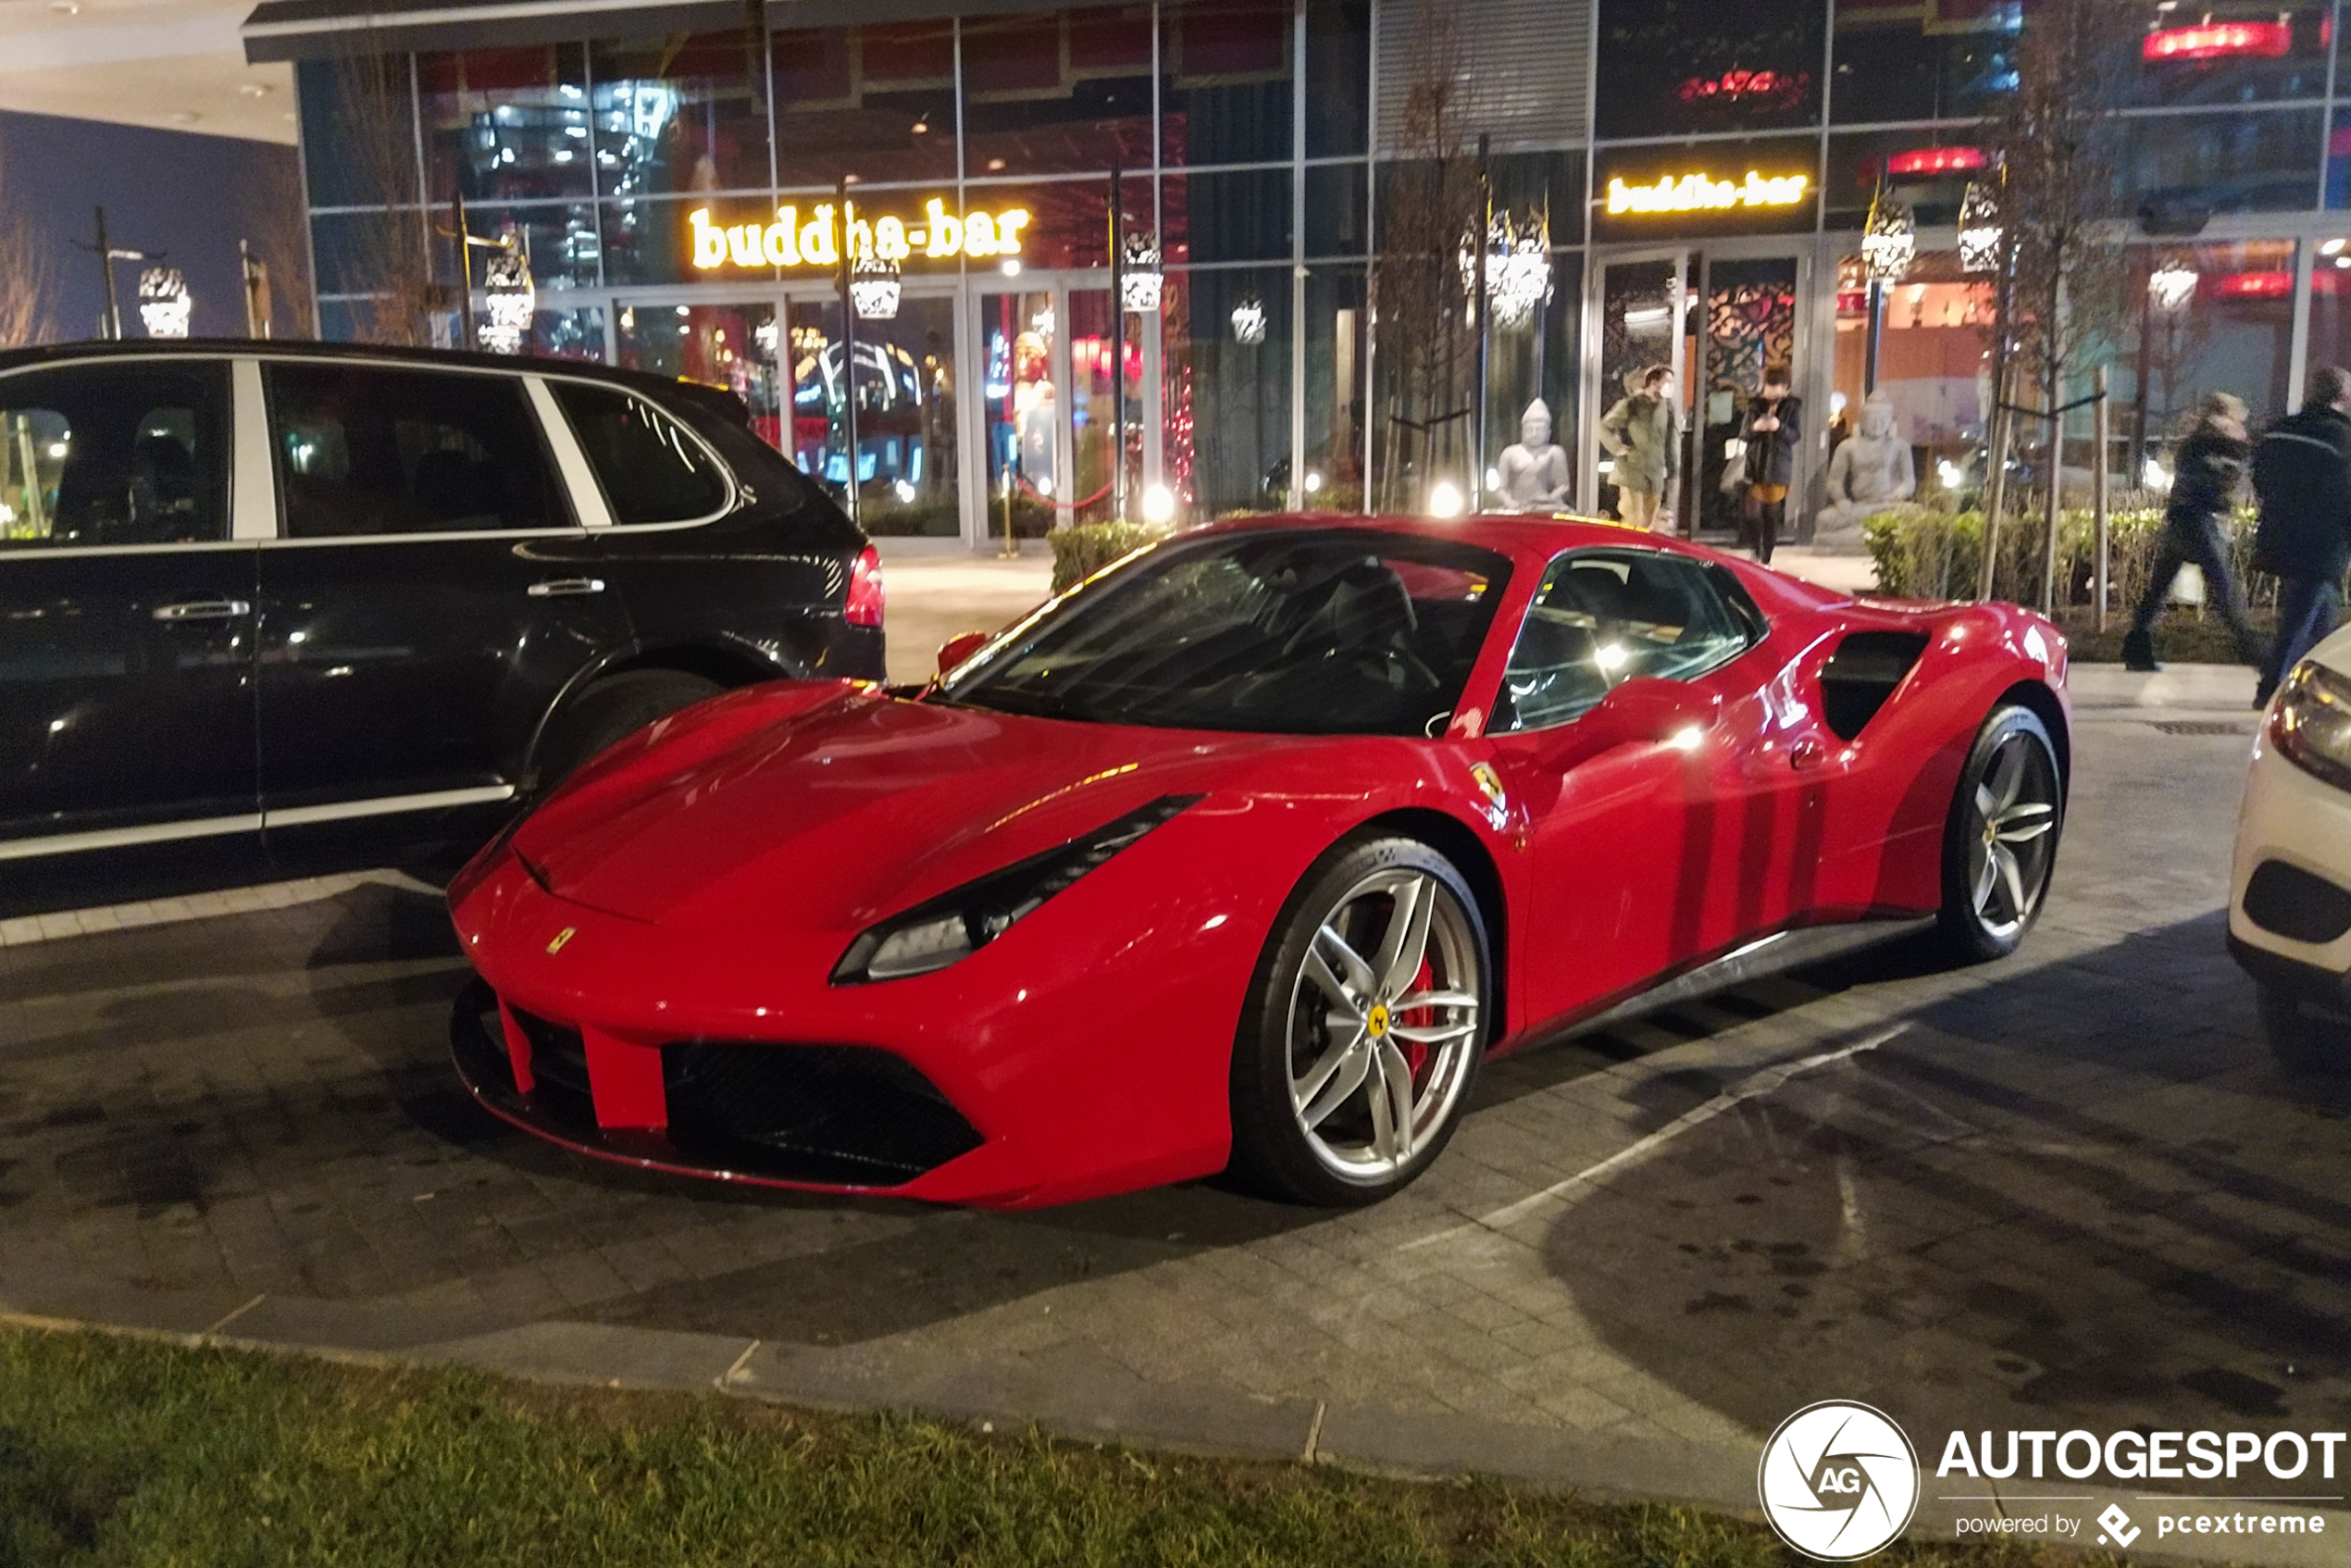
x: 1081, y: 551
x: 1921, y: 553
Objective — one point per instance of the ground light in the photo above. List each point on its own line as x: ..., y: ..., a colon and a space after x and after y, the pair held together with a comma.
x: 1159, y: 505
x: 1445, y: 498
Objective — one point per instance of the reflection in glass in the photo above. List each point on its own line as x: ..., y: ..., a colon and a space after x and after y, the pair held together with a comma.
x: 2222, y: 162
x: 1057, y: 92
x: 1338, y: 73
x: 688, y: 112
x: 1933, y: 365
x: 1336, y: 323
x: 876, y: 101
x: 1639, y: 302
x: 1236, y: 215
x: 904, y: 383
x: 1226, y: 444
x: 2231, y: 333
x: 727, y: 345
x: 1228, y: 93
x: 1017, y: 332
x: 1908, y: 64
x: 1673, y: 67
x: 564, y: 249
x: 505, y: 124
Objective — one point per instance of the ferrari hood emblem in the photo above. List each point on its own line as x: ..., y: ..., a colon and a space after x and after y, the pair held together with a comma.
x: 561, y: 936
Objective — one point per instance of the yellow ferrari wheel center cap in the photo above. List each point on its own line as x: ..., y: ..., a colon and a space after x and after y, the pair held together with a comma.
x: 1377, y: 1020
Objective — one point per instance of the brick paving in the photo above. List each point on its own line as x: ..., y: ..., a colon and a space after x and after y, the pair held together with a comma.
x: 2066, y: 1189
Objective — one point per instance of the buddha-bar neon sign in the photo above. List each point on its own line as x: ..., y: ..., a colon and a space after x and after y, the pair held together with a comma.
x: 1703, y: 193
x: 817, y: 241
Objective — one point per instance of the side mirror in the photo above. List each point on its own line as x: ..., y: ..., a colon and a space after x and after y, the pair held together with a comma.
x: 962, y: 646
x: 1645, y: 710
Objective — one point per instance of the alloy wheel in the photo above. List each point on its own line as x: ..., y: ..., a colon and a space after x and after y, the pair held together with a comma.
x: 1384, y: 1023
x: 2011, y: 834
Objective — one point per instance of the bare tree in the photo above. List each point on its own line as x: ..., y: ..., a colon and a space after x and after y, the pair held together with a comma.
x: 390, y: 246
x: 1417, y: 299
x: 2069, y: 274
x: 281, y: 244
x: 28, y: 273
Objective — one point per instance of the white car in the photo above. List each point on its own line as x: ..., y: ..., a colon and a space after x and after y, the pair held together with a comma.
x: 2290, y: 890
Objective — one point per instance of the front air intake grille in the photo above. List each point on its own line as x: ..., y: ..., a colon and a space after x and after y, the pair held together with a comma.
x: 837, y: 1115
x: 558, y: 1070
x: 2296, y: 904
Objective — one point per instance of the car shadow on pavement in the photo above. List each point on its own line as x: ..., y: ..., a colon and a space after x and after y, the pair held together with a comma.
x: 2077, y: 1193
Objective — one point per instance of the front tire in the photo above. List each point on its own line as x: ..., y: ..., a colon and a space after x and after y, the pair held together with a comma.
x: 2000, y: 841
x: 612, y: 710
x: 1370, y: 1014
x: 2302, y: 1039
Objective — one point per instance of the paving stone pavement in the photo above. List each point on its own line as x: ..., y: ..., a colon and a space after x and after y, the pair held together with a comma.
x: 2068, y: 1189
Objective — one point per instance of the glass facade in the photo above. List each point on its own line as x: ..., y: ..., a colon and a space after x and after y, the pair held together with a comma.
x: 1702, y: 213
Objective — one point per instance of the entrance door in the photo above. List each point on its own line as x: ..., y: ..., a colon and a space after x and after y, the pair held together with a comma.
x: 1052, y: 417
x: 728, y: 344
x: 1715, y: 318
x: 908, y: 468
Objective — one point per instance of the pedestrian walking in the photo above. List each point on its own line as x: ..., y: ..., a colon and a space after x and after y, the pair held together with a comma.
x: 1774, y: 426
x: 1643, y: 436
x: 2302, y: 472
x: 2207, y: 471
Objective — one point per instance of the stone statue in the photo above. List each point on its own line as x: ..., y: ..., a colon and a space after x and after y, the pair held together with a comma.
x: 1872, y: 471
x: 1534, y: 471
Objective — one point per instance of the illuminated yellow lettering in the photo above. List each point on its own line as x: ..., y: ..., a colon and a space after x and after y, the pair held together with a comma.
x: 979, y: 234
x: 1008, y: 226
x: 743, y: 244
x: 710, y: 244
x: 818, y: 245
x: 946, y: 234
x: 1701, y: 192
x: 783, y: 237
x: 861, y: 238
x: 889, y: 239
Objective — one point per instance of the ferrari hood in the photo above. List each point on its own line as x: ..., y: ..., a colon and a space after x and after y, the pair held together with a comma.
x: 832, y: 818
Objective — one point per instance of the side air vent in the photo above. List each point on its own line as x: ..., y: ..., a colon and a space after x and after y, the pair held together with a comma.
x: 1863, y: 673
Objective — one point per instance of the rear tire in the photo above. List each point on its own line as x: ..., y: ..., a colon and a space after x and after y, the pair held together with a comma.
x: 612, y: 710
x: 1372, y: 1008
x: 2304, y: 1040
x: 2001, y: 840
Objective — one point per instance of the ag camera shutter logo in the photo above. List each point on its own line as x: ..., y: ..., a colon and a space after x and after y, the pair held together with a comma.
x: 1838, y: 1481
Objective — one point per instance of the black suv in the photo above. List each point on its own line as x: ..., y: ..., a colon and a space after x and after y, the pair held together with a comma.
x: 248, y: 589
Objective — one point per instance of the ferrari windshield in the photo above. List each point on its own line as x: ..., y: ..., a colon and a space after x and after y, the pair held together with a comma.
x: 1303, y: 631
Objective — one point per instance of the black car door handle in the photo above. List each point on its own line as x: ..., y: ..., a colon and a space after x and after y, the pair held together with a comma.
x: 553, y: 588
x: 204, y: 610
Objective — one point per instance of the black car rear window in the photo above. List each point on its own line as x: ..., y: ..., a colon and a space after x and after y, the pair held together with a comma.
x: 651, y: 469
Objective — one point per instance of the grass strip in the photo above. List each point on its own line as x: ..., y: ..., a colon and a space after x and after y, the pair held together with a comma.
x: 122, y: 1451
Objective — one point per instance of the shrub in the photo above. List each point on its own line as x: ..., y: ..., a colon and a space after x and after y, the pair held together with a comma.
x: 1081, y: 551
x: 1924, y: 553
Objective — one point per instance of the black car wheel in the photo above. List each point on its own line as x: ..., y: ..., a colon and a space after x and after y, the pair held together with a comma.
x: 2000, y: 841
x: 1370, y: 1014
x: 2302, y: 1038
x: 613, y: 709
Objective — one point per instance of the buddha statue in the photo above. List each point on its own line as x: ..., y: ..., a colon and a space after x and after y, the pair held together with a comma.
x: 1872, y: 471
x: 1534, y: 471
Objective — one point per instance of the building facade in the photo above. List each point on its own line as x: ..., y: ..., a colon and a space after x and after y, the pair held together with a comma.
x: 1674, y: 181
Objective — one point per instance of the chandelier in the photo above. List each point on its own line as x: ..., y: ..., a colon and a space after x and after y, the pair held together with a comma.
x: 507, y: 291
x: 1980, y: 232
x: 873, y: 288
x: 1889, y: 241
x: 1140, y: 280
x: 163, y: 302
x: 1248, y: 320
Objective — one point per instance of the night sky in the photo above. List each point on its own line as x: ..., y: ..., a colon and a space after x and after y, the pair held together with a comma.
x: 190, y: 195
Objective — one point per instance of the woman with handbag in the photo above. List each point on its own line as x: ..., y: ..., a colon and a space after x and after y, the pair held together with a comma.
x: 1773, y: 426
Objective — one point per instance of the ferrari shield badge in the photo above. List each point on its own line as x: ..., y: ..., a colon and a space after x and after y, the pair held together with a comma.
x: 561, y: 936
x: 1489, y: 783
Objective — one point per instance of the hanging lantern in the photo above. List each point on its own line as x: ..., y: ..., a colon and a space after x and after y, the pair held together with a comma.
x: 163, y: 302
x: 1889, y: 241
x: 1518, y: 268
x: 1249, y: 321
x: 1140, y: 280
x: 1979, y: 232
x: 2172, y: 283
x: 505, y: 284
x: 874, y: 286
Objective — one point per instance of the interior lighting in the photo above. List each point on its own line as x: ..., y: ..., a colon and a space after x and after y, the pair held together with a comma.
x: 1445, y: 500
x: 1159, y: 505
x: 2171, y: 284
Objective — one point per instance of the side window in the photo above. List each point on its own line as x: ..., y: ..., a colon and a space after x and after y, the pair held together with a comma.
x: 1604, y: 616
x: 651, y: 471
x: 367, y: 450
x: 116, y: 453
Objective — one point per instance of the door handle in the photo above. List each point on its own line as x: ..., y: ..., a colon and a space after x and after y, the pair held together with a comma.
x: 566, y: 587
x: 1807, y: 753
x: 204, y: 610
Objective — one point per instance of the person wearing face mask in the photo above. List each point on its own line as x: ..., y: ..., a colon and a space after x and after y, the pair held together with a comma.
x: 2206, y: 471
x: 1773, y: 426
x: 1643, y: 436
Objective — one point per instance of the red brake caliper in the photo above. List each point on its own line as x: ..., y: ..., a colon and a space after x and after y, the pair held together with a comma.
x: 1416, y: 1053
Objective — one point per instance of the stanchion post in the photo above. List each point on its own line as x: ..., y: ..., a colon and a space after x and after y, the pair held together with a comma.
x: 2100, y: 426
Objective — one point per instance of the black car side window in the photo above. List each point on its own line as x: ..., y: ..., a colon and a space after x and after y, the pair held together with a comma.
x: 367, y: 450
x: 1605, y: 616
x: 119, y: 452
x: 651, y: 470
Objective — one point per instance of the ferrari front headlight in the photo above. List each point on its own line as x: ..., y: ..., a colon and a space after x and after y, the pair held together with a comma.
x: 955, y: 924
x: 2310, y: 723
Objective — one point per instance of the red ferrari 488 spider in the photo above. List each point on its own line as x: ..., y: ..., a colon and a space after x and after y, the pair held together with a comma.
x: 1245, y: 854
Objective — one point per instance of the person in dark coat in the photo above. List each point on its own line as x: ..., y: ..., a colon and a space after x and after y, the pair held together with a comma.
x: 2302, y: 472
x: 2206, y: 472
x: 1773, y: 426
